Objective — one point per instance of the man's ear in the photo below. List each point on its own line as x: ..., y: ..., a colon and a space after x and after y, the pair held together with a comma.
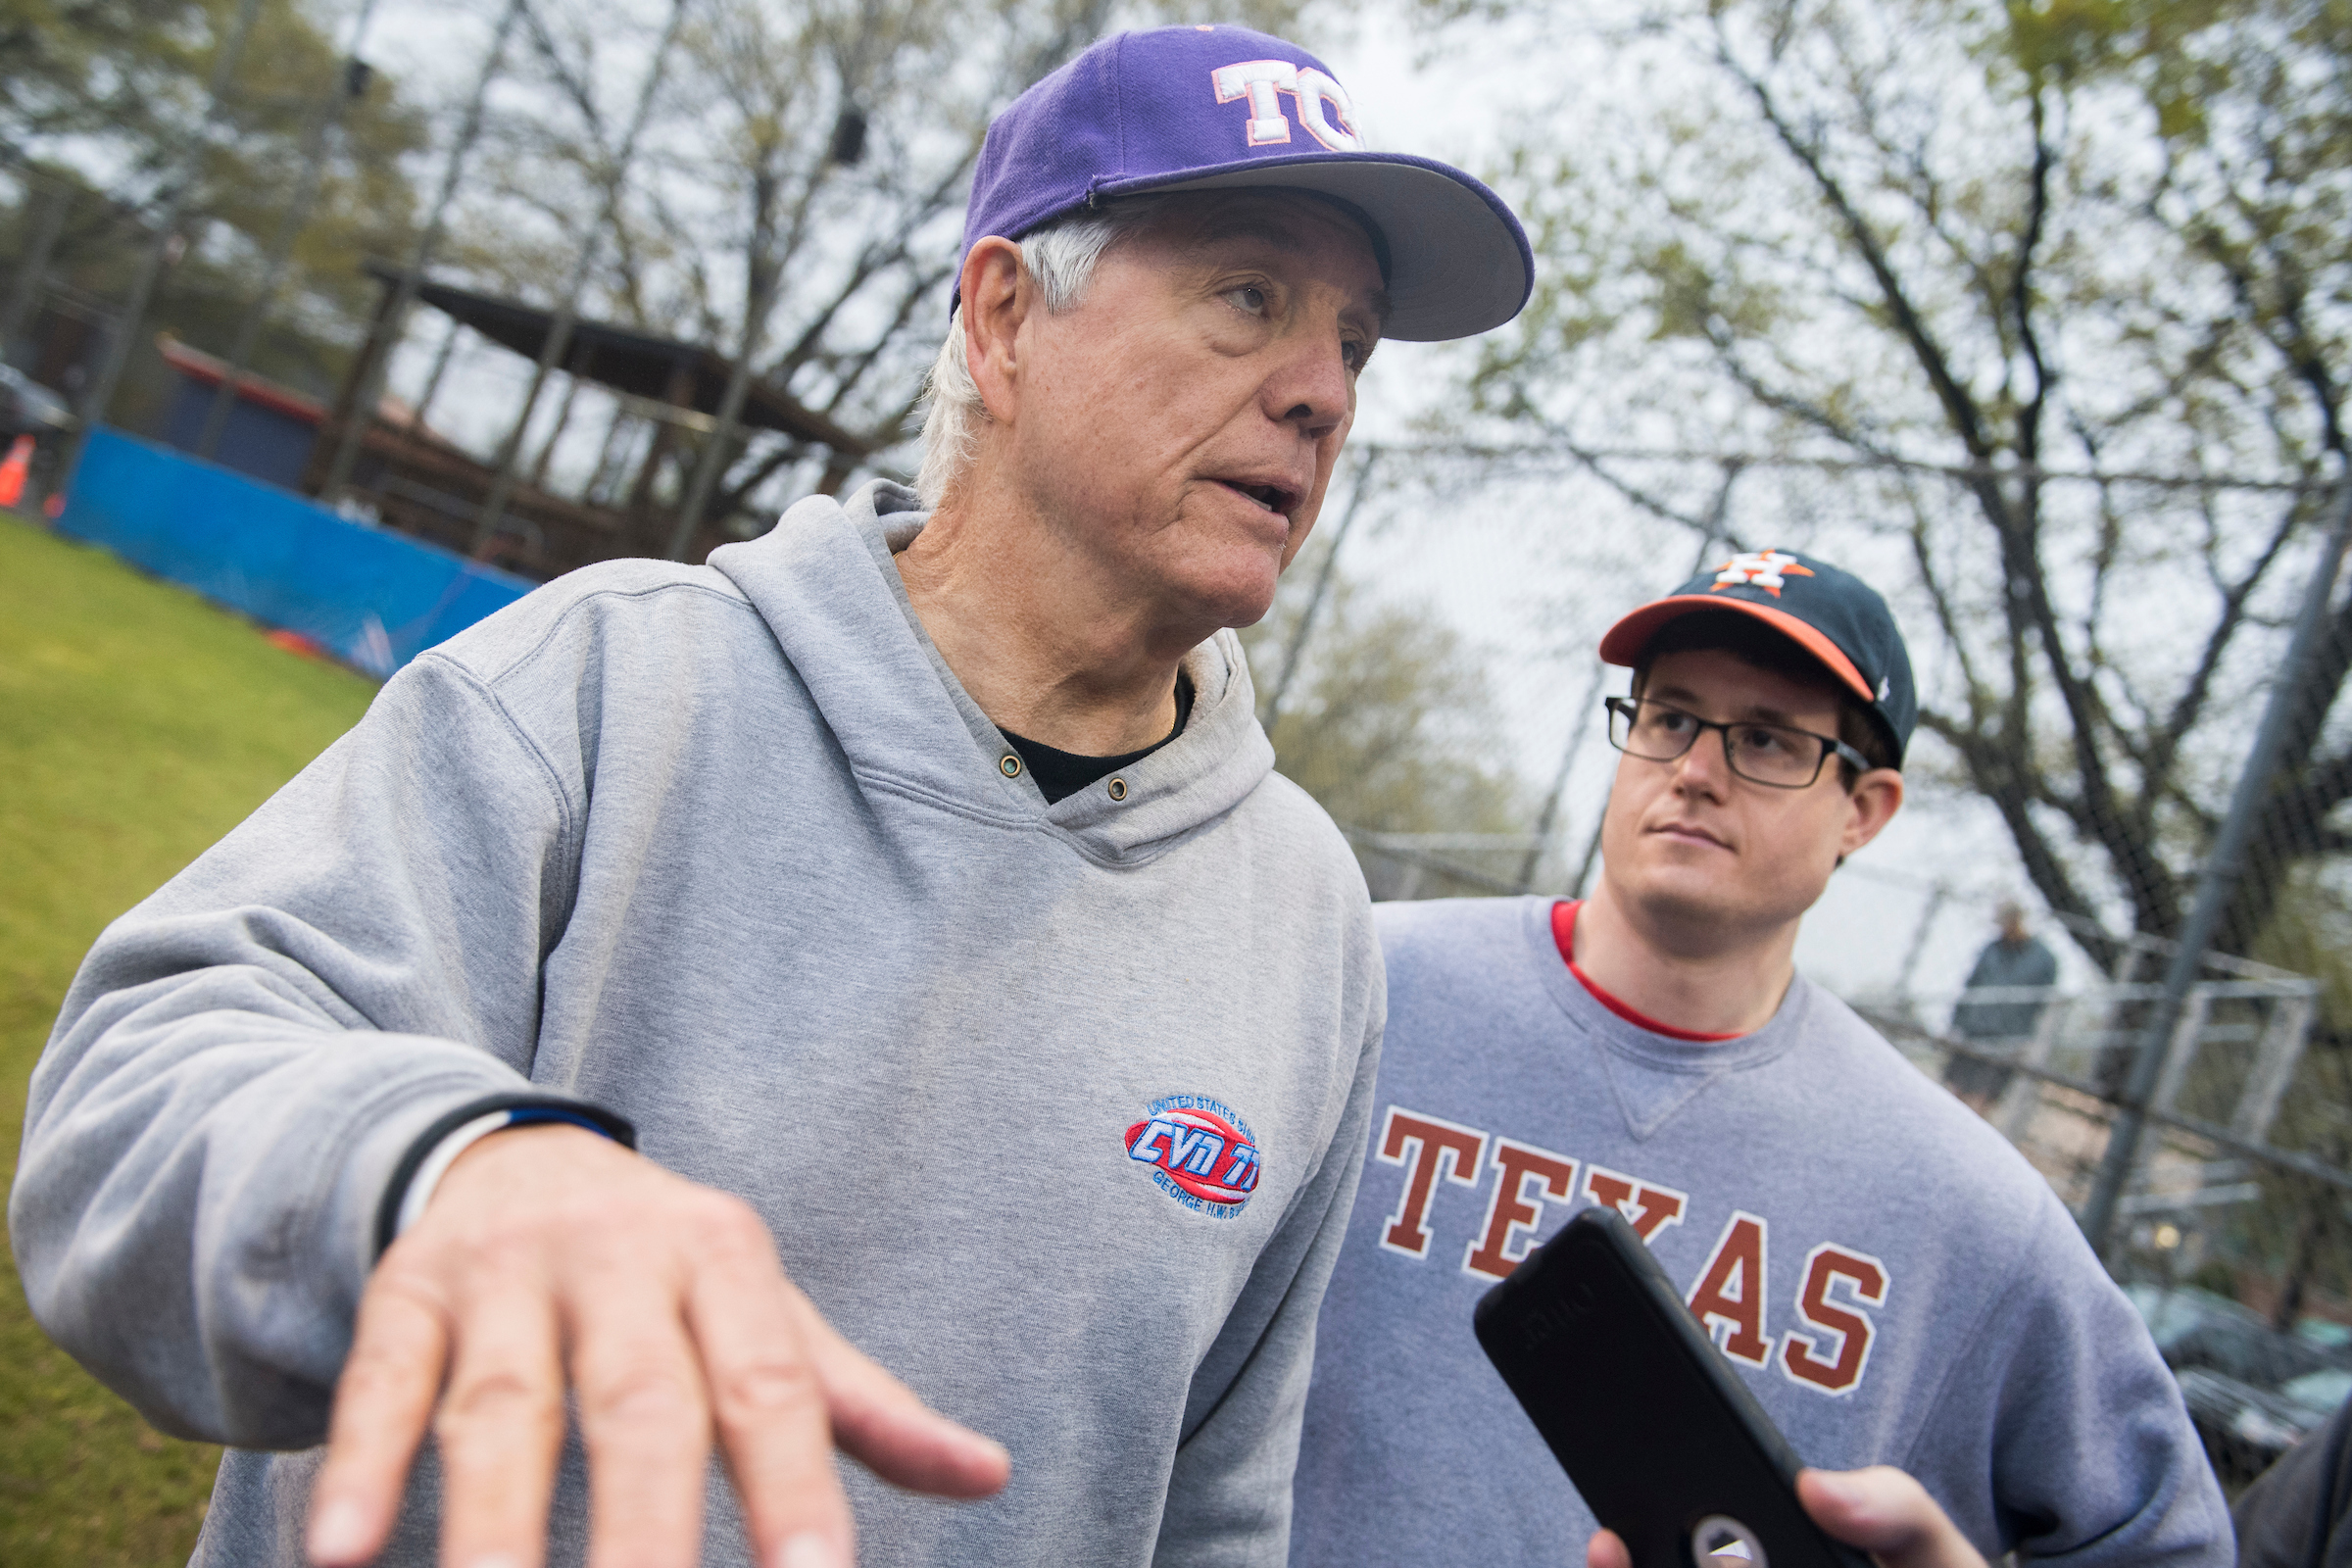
x: 1875, y: 799
x: 997, y: 299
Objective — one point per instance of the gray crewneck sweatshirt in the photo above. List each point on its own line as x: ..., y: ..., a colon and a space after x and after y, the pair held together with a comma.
x: 1886, y: 1275
x: 1055, y: 1111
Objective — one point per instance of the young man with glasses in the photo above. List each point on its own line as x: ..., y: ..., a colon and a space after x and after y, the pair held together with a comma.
x: 1896, y: 1286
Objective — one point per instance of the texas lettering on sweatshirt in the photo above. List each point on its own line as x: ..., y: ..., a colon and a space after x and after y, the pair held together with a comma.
x: 1828, y: 1350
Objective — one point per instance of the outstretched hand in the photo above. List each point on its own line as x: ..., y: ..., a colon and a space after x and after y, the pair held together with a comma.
x: 1881, y: 1510
x: 552, y: 1260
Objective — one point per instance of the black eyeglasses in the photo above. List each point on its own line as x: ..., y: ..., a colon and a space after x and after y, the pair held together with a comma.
x: 1774, y: 755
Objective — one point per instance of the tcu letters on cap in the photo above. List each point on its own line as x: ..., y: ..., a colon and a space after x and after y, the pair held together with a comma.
x: 1210, y: 107
x: 1322, y: 103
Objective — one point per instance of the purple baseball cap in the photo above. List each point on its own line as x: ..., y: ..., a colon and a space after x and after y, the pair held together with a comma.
x: 1211, y: 107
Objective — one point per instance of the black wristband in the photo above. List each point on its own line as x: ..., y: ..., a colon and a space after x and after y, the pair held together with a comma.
x: 528, y: 1109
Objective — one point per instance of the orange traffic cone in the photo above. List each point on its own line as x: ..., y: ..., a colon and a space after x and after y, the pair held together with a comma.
x: 15, y: 470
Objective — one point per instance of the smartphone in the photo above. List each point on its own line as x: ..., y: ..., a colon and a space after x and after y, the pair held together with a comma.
x: 1645, y: 1414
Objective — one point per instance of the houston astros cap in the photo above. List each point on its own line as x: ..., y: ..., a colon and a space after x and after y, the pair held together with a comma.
x: 1208, y: 108
x: 1832, y: 614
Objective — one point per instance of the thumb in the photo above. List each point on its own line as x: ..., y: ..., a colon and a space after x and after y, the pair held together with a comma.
x: 1606, y: 1550
x: 878, y: 1421
x: 1888, y: 1514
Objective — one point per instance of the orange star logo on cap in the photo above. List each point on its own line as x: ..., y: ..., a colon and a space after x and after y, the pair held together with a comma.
x: 1767, y: 569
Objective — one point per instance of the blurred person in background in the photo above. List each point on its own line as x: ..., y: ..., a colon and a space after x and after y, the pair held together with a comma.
x: 911, y: 885
x: 1900, y: 1291
x: 2015, y: 958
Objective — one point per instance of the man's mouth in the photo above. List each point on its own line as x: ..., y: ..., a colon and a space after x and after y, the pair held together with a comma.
x: 1690, y: 831
x: 1276, y: 497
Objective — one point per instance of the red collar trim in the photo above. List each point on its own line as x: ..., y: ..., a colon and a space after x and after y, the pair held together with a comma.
x: 1563, y: 936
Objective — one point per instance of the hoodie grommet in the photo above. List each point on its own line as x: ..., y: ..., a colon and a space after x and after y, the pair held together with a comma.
x: 1118, y: 789
x: 1010, y: 766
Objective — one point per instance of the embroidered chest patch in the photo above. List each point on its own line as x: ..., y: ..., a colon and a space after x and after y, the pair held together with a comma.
x: 1201, y: 1152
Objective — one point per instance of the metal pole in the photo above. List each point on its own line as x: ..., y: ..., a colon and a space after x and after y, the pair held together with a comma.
x: 1584, y: 867
x: 34, y: 267
x: 415, y: 421
x: 432, y: 381
x: 151, y: 265
x: 603, y: 472
x: 371, y: 391
x: 848, y: 147
x: 1292, y: 654
x: 559, y: 331
x: 2216, y: 883
x: 1937, y: 896
x: 290, y: 224
x: 706, y: 466
x: 576, y: 371
x: 1559, y: 780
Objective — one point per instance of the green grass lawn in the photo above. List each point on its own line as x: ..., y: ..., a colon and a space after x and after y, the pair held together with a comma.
x: 138, y: 725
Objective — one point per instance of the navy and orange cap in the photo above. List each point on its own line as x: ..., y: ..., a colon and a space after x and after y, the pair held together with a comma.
x: 1832, y: 614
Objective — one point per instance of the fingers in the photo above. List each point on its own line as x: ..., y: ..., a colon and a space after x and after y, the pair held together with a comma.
x: 1881, y: 1510
x: 645, y: 1422
x: 879, y: 1422
x: 501, y: 1429
x: 1888, y: 1514
x: 382, y: 1402
x: 549, y: 1256
x: 767, y: 1401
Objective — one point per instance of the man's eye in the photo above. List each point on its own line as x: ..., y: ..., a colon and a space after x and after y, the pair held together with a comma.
x: 1666, y: 721
x: 1249, y: 297
x: 1764, y: 742
x: 1353, y: 354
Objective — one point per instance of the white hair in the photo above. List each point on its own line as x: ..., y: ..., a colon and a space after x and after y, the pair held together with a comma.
x: 1061, y: 259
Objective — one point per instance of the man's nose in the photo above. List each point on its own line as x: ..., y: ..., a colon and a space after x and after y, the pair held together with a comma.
x: 1308, y: 387
x: 1707, y: 763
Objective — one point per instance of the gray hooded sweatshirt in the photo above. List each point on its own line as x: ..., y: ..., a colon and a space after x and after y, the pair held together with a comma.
x: 1053, y: 1111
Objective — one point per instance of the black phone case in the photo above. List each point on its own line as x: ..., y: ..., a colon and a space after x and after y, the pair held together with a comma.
x: 1641, y: 1410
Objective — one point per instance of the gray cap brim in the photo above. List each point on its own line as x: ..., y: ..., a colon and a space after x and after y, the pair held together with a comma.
x: 1458, y: 261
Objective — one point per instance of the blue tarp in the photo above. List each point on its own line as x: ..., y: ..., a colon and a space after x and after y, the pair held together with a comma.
x: 373, y: 598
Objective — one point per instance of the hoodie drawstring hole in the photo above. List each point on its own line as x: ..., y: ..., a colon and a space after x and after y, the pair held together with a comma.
x: 1118, y: 789
x: 1010, y: 766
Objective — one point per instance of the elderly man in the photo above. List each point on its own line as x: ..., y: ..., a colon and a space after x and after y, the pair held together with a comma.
x: 911, y: 883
